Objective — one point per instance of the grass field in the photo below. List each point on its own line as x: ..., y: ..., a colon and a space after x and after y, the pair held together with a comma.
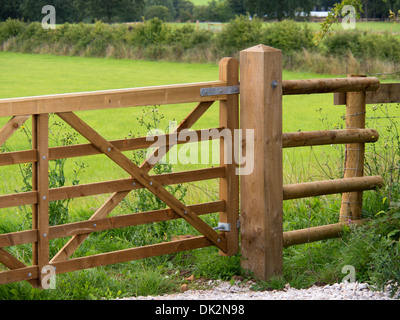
x: 44, y: 74
x: 29, y: 75
x: 200, y: 2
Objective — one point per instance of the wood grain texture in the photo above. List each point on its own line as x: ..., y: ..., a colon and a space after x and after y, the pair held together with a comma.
x: 108, y: 99
x: 262, y: 190
x: 229, y: 184
x: 310, y: 86
x: 387, y: 93
x: 351, y: 206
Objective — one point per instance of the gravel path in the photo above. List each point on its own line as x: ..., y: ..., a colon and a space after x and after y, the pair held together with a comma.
x: 241, y: 291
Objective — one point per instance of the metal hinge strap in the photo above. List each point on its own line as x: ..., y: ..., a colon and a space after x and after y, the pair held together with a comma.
x: 220, y: 91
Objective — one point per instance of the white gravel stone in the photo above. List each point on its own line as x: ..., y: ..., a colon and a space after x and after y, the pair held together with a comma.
x: 241, y: 291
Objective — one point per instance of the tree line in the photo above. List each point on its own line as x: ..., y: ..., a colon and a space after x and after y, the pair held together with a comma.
x: 180, y: 10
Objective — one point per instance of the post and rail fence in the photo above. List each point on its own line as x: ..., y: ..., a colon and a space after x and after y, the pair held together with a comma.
x: 261, y: 192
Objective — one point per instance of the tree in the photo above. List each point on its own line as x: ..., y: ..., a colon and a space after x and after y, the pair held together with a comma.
x: 165, y: 3
x: 325, y: 5
x: 117, y: 10
x: 160, y: 12
x: 65, y: 10
x: 10, y: 9
x: 278, y: 9
x: 183, y: 9
x: 333, y: 17
x: 215, y: 11
x: 237, y: 6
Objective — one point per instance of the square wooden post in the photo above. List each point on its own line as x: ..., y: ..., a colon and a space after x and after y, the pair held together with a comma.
x: 229, y: 184
x: 262, y: 190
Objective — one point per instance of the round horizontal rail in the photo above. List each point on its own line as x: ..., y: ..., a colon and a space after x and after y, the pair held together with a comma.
x: 312, y: 234
x: 318, y: 188
x: 316, y: 138
x: 309, y: 86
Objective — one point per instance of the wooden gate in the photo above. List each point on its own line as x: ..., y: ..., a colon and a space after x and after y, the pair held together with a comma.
x: 65, y: 107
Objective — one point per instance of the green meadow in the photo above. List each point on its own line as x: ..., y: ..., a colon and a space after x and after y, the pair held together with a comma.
x: 200, y: 2
x: 30, y: 75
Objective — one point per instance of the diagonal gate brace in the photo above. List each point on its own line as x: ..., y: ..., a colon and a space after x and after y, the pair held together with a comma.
x: 143, y: 178
x: 68, y: 249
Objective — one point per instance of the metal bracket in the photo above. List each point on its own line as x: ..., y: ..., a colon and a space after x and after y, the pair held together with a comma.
x: 223, y: 226
x: 220, y: 91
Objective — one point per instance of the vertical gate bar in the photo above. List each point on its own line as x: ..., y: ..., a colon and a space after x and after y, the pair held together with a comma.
x: 229, y: 185
x: 351, y: 206
x: 34, y: 188
x: 40, y: 182
x: 262, y: 190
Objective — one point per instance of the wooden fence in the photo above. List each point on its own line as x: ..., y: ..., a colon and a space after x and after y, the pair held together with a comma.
x: 262, y: 192
x: 65, y: 106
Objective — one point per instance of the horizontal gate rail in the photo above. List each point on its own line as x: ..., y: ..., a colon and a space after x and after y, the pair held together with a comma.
x: 109, y: 99
x: 95, y: 188
x: 29, y: 273
x: 131, y: 254
x: 88, y: 149
x: 115, y: 222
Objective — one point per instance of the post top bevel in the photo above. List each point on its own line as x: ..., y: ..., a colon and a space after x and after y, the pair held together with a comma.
x: 260, y: 48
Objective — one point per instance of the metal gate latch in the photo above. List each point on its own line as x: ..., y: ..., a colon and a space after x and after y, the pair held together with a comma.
x: 223, y: 226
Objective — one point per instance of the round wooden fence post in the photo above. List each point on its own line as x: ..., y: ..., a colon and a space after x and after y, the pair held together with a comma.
x: 262, y: 190
x: 351, y: 207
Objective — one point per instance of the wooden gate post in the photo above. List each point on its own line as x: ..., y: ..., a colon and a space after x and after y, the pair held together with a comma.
x: 262, y: 190
x: 351, y: 206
